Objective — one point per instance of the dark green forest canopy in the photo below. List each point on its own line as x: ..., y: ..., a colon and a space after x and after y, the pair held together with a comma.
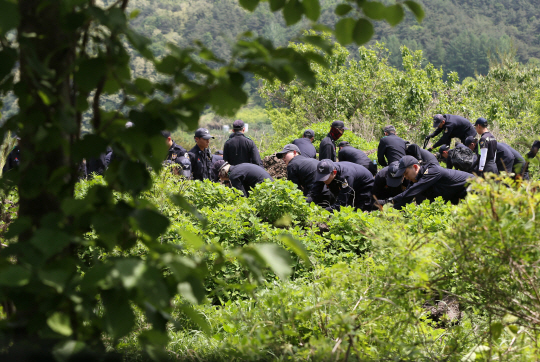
x: 459, y: 35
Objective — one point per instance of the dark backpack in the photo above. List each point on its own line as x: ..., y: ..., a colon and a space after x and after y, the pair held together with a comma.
x: 462, y: 158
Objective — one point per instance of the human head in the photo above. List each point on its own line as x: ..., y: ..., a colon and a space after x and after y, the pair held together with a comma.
x: 168, y: 139
x: 343, y: 144
x: 202, y: 138
x: 438, y: 121
x: 481, y: 125
x: 408, y: 168
x: 443, y: 150
x: 239, y: 126
x: 388, y: 130
x: 219, y: 153
x: 326, y: 171
x: 470, y: 142
x: 289, y: 152
x: 309, y: 134
x: 221, y: 169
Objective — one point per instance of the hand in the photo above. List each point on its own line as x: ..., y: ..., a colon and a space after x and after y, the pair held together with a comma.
x: 430, y: 149
x: 427, y: 137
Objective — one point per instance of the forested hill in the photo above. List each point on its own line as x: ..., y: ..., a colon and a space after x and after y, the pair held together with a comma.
x: 457, y: 34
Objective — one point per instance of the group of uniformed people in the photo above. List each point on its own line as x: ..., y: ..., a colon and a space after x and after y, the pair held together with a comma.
x: 344, y: 175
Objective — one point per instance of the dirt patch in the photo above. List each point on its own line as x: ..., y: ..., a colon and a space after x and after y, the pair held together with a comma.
x: 443, y: 313
x: 275, y: 167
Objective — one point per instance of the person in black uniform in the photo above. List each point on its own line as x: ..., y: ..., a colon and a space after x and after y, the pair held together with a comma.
x: 301, y: 171
x: 520, y: 166
x: 350, y: 183
x: 199, y: 155
x: 384, y: 187
x: 429, y: 181
x: 243, y: 177
x: 13, y: 158
x: 350, y: 154
x: 239, y: 148
x: 423, y: 156
x: 217, y: 156
x: 327, y: 149
x: 488, y: 148
x: 175, y: 150
x: 305, y: 144
x: 453, y: 127
x: 391, y: 147
x: 504, y: 158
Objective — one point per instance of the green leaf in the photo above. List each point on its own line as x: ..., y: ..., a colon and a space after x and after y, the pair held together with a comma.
x: 60, y: 323
x: 344, y: 30
x: 14, y: 276
x: 131, y: 271
x: 394, y: 14
x: 8, y: 58
x: 118, y: 318
x: 50, y: 242
x: 196, y: 317
x: 318, y: 42
x: 64, y: 350
x: 292, y: 12
x: 312, y: 9
x: 249, y: 5
x: 275, y: 5
x: 277, y: 258
x: 343, y: 9
x: 57, y: 275
x: 374, y: 10
x: 89, y: 73
x: 179, y: 200
x: 297, y: 247
x: 192, y: 289
x: 496, y: 329
x: 363, y: 31
x: 9, y: 16
x: 151, y: 222
x: 416, y: 10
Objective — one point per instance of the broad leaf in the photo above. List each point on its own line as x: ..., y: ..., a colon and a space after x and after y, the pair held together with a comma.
x: 60, y: 323
x: 344, y: 31
x: 394, y: 14
x: 249, y: 4
x: 277, y: 258
x: 343, y: 9
x: 363, y: 31
x: 374, y: 10
x: 292, y: 12
x: 312, y: 9
x: 416, y: 10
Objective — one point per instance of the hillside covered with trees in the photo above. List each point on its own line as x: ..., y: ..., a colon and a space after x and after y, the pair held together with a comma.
x: 458, y: 35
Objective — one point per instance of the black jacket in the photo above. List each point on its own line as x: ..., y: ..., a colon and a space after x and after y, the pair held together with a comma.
x: 301, y: 171
x: 391, y: 148
x: 175, y: 151
x: 327, y: 149
x: 241, y: 149
x: 201, y: 163
x: 519, y: 161
x: 474, y: 166
x: 434, y: 181
x: 306, y: 147
x: 421, y: 155
x: 454, y: 127
x: 351, y: 186
x: 351, y: 154
x: 246, y: 176
x: 488, y: 141
x: 381, y: 190
x: 505, y: 158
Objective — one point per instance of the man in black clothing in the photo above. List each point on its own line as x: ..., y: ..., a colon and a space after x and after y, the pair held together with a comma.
x: 217, y: 156
x: 305, y: 144
x: 199, y: 155
x: 350, y: 154
x: 445, y: 150
x: 175, y: 150
x: 488, y: 148
x: 382, y: 190
x: 504, y: 158
x: 520, y: 166
x: 327, y: 148
x: 243, y: 177
x: 13, y: 159
x: 453, y: 126
x: 239, y: 148
x: 349, y: 182
x: 301, y: 171
x: 423, y: 156
x: 391, y: 147
x: 429, y: 181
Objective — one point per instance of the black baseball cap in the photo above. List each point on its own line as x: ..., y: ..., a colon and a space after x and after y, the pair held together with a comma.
x: 186, y: 166
x: 309, y: 133
x: 219, y: 152
x: 339, y: 125
x: 438, y: 118
x: 469, y: 140
x: 406, y: 161
x: 392, y: 170
x: 203, y: 133
x: 343, y: 144
x: 238, y: 124
x: 288, y: 148
x: 166, y: 134
x: 481, y: 121
x: 324, y: 170
x: 444, y: 148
